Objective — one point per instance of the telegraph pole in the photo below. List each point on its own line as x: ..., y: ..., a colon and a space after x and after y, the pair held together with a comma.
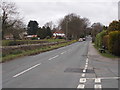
x: 66, y: 30
x: 119, y: 10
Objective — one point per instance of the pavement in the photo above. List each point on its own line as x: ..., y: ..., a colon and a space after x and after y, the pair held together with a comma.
x: 78, y: 65
x: 105, y: 71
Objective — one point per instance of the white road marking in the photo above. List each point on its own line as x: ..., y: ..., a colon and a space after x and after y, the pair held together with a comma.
x: 86, y: 63
x: 83, y: 75
x: 97, y: 86
x: 105, y: 78
x: 82, y: 80
x: 53, y: 57
x: 81, y: 86
x: 84, y: 70
x: 63, y: 52
x: 110, y: 77
x: 98, y: 80
x: 26, y: 70
x: 86, y: 66
x: 87, y: 60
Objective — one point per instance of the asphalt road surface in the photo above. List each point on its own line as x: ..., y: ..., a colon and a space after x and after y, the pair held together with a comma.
x: 68, y: 67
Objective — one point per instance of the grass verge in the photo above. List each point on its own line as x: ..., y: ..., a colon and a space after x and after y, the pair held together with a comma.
x: 106, y: 54
x: 21, y: 42
x: 36, y: 51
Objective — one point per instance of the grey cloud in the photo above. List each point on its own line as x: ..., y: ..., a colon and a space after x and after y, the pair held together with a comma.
x: 43, y: 12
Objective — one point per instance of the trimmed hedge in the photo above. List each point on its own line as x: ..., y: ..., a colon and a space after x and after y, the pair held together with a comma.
x: 114, y: 42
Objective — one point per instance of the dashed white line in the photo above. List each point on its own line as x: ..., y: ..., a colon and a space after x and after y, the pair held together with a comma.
x: 83, y: 75
x: 98, y: 80
x: 86, y: 63
x: 82, y: 80
x: 97, y: 86
x: 86, y: 66
x: 81, y: 86
x: 53, y: 57
x: 26, y: 70
x: 84, y: 70
x: 63, y: 52
x: 87, y: 60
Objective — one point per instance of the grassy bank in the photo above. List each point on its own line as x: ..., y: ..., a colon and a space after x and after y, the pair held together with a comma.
x: 21, y: 42
x: 106, y: 54
x: 35, y: 51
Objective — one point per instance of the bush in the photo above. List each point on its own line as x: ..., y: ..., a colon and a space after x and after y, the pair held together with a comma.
x: 106, y: 41
x: 34, y: 38
x: 48, y: 37
x: 99, y: 38
x: 114, y: 42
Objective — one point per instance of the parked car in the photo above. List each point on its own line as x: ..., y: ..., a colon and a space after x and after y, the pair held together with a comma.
x: 84, y: 39
x: 80, y: 40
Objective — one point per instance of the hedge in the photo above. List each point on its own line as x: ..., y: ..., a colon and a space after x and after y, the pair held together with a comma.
x: 99, y: 38
x: 106, y: 41
x: 114, y: 42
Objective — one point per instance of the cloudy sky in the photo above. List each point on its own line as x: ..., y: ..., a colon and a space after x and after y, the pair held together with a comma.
x: 103, y: 11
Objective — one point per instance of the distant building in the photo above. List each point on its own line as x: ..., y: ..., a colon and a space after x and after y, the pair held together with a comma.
x: 58, y: 34
x: 30, y: 36
x: 8, y: 36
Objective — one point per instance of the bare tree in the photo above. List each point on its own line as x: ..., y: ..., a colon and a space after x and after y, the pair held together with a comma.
x: 74, y: 26
x: 96, y: 28
x: 10, y: 18
x: 49, y: 24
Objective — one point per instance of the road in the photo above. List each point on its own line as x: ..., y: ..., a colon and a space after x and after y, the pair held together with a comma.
x: 72, y: 66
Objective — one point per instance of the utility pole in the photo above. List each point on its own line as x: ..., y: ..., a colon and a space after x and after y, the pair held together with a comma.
x: 66, y: 30
x: 119, y: 10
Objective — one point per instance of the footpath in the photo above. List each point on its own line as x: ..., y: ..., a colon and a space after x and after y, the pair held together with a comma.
x: 105, y: 69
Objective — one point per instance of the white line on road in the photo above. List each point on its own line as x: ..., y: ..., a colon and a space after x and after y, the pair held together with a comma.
x: 83, y: 75
x: 53, y: 57
x: 26, y: 70
x: 63, y: 52
x: 82, y: 80
x: 97, y: 86
x: 87, y: 60
x: 110, y: 77
x: 86, y: 66
x: 86, y: 63
x: 98, y: 80
x: 105, y: 78
x: 84, y: 70
x: 81, y: 86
